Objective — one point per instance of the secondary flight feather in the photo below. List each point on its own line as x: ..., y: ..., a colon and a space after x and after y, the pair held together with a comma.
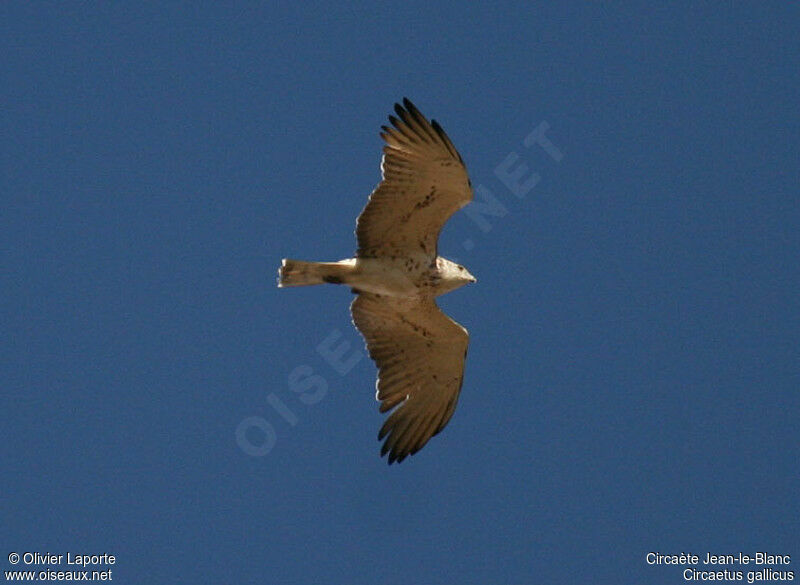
x: 397, y: 274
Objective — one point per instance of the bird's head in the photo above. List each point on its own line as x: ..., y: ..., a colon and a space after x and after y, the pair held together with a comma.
x: 454, y: 273
x: 465, y: 274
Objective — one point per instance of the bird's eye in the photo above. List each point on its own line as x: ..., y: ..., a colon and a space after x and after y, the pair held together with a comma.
x: 460, y: 267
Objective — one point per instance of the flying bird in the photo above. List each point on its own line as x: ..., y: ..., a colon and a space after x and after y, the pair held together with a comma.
x: 397, y: 274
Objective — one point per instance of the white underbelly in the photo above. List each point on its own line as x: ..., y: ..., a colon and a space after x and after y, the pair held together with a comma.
x: 382, y: 277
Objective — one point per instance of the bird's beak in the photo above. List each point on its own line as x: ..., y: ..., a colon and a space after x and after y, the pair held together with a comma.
x: 472, y: 278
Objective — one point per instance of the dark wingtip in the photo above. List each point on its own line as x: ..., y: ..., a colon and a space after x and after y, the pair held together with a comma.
x: 383, y: 431
x: 446, y: 139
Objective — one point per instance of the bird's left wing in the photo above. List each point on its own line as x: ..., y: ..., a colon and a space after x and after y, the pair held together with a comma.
x: 424, y: 183
x: 420, y: 356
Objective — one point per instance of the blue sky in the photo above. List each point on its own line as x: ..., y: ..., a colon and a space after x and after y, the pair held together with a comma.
x: 633, y: 374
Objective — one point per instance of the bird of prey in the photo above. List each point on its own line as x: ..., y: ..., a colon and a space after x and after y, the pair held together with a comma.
x: 397, y: 274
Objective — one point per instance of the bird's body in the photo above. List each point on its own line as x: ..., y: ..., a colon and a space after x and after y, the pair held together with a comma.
x: 397, y: 273
x: 392, y: 277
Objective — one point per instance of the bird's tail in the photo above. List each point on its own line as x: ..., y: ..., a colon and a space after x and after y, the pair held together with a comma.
x: 299, y: 273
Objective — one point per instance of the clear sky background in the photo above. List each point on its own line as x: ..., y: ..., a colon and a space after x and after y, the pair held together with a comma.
x: 633, y: 375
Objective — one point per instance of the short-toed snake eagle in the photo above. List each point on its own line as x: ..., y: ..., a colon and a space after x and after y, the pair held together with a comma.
x: 397, y: 273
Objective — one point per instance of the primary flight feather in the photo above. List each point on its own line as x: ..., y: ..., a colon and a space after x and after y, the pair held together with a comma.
x: 397, y: 273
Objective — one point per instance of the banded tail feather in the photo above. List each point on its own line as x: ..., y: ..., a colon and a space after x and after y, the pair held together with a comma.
x: 301, y: 273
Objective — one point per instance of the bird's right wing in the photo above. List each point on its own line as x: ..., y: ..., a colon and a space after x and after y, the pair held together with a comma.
x: 420, y: 356
x: 424, y: 183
